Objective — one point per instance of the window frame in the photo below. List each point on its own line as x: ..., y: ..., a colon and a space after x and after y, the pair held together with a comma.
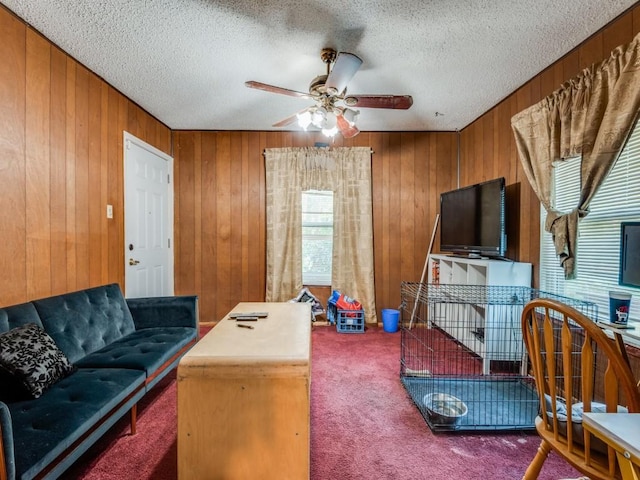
x: 317, y: 278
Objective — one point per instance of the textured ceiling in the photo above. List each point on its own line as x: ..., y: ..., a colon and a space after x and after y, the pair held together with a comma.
x: 186, y: 61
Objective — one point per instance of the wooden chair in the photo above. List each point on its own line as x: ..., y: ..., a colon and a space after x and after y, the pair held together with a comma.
x: 576, y: 368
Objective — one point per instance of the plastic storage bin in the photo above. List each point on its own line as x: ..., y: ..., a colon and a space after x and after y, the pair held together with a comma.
x: 347, y: 321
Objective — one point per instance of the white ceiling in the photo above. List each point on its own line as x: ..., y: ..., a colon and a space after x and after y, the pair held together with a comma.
x: 186, y: 61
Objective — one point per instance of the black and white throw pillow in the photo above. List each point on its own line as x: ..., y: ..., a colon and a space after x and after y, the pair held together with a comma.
x: 30, y: 356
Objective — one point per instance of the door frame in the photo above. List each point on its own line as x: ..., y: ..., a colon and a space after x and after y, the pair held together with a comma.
x: 129, y: 139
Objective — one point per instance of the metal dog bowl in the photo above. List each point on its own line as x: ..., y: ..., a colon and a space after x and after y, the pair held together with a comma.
x: 444, y: 409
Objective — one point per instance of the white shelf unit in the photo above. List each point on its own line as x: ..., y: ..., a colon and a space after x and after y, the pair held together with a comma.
x: 478, y: 271
x: 492, y: 331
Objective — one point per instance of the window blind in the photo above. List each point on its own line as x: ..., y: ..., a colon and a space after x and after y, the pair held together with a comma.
x: 598, y: 249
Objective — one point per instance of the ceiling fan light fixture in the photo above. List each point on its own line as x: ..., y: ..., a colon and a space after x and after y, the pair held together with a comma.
x: 351, y: 116
x: 331, y: 124
x: 330, y: 132
x: 319, y: 117
x: 304, y: 119
x: 330, y: 120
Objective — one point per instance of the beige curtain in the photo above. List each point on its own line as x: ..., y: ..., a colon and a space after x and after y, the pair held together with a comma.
x: 346, y: 172
x: 590, y: 116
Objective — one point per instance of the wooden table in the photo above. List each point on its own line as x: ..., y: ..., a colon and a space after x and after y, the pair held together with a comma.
x: 243, y: 397
x: 631, y: 330
x: 622, y: 432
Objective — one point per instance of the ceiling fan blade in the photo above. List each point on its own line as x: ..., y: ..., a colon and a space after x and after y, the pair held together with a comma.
x: 346, y: 129
x: 286, y: 121
x: 272, y: 89
x: 344, y: 68
x: 290, y: 119
x: 399, y: 102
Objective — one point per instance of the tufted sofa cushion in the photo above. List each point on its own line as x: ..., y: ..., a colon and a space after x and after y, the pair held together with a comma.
x: 44, y: 428
x: 17, y: 316
x: 85, y: 321
x: 156, y: 312
x: 145, y: 349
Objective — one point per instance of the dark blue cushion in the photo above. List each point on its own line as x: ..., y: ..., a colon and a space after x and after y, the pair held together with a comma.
x: 44, y: 428
x: 145, y: 349
x: 85, y: 321
x: 180, y: 311
x: 17, y: 316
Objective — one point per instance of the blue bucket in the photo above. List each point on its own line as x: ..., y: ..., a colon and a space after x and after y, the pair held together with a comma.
x: 390, y: 318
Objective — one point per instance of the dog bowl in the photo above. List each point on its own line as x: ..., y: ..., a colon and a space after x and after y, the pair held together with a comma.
x: 444, y: 409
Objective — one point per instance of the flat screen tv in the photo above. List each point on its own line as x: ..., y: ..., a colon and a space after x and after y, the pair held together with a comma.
x: 472, y: 220
x: 630, y: 254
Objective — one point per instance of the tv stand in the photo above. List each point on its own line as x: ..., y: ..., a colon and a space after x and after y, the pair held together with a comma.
x: 490, y: 331
x: 478, y: 256
x: 463, y: 270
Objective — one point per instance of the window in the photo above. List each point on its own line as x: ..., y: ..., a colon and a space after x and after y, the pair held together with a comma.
x: 598, y: 249
x: 317, y: 237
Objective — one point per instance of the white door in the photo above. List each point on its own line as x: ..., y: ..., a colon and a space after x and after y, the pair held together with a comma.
x: 148, y: 220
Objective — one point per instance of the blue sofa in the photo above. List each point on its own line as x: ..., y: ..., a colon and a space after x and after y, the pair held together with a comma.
x: 117, y: 350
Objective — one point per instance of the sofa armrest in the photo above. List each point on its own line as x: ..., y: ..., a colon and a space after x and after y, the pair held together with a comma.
x: 7, y: 459
x: 179, y: 311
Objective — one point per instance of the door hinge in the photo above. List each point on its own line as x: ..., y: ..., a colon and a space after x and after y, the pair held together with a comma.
x: 168, y: 178
x: 168, y: 243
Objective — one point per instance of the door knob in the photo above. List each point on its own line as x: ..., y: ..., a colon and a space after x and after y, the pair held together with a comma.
x: 133, y: 262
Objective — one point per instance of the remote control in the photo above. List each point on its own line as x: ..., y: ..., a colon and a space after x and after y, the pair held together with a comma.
x: 234, y: 315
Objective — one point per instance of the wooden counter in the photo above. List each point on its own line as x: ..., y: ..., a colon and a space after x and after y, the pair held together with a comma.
x: 243, y: 398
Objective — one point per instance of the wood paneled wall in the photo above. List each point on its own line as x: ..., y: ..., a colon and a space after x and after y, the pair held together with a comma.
x: 220, y: 209
x: 60, y: 165
x: 489, y: 141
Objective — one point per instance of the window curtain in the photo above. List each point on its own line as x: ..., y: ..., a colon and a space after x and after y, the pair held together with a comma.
x: 590, y: 116
x: 347, y: 172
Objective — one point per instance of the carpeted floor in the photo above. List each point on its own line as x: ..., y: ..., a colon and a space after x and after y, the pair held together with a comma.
x: 363, y: 426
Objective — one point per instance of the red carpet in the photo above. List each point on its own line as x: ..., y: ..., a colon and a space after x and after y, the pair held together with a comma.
x: 363, y: 426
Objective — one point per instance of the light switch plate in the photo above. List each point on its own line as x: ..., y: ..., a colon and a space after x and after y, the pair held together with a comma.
x: 109, y: 211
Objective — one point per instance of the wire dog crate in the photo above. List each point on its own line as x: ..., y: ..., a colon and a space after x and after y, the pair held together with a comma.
x: 463, y: 360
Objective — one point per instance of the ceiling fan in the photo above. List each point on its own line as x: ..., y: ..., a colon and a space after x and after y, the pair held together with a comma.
x: 334, y: 110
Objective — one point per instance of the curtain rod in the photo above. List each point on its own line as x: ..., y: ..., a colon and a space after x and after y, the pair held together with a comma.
x: 328, y: 148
